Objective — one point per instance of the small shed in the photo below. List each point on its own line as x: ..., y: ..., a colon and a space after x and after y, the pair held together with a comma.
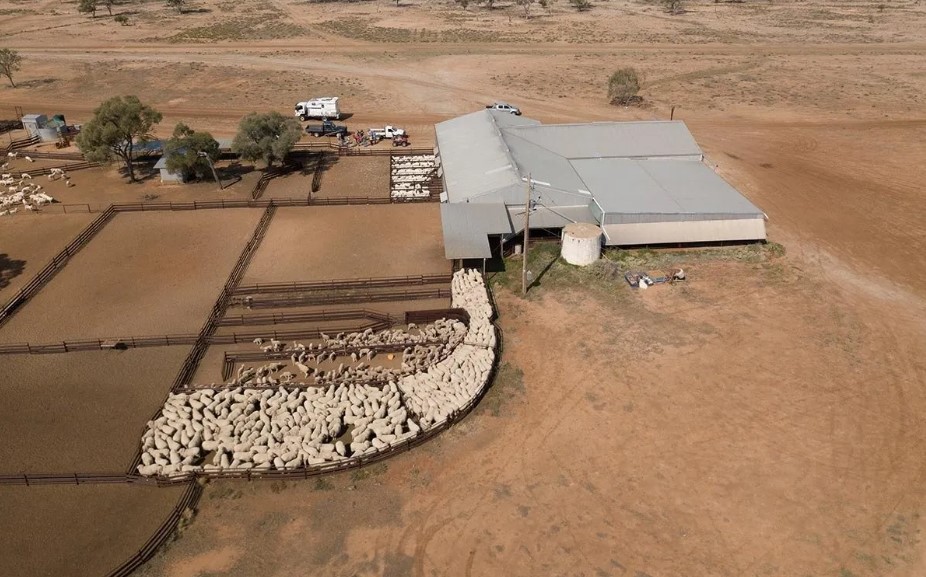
x: 166, y: 175
x: 34, y: 122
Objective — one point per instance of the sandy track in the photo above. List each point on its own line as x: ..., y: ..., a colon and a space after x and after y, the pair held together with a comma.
x: 152, y: 273
x: 338, y: 242
x: 102, y: 525
x: 81, y: 412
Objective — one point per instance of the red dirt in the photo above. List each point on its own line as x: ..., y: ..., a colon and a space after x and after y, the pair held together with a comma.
x: 101, y: 525
x: 146, y: 289
x: 81, y: 412
x: 339, y: 242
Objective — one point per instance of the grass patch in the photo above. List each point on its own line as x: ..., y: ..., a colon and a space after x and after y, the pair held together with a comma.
x: 361, y: 29
x: 369, y: 472
x: 551, y: 271
x: 224, y: 491
x: 323, y: 484
x: 266, y: 27
x: 507, y: 384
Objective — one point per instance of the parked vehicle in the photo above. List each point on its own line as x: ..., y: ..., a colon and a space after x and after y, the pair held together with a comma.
x: 326, y: 128
x: 504, y: 107
x: 326, y: 107
x: 400, y: 140
x: 386, y: 132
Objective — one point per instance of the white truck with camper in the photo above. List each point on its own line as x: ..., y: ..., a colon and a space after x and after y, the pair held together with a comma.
x: 324, y: 108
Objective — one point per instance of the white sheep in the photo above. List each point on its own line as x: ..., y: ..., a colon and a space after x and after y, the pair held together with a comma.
x: 29, y: 158
x: 12, y: 154
x: 26, y: 176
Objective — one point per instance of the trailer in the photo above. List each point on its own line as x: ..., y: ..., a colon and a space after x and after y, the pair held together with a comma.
x: 324, y: 108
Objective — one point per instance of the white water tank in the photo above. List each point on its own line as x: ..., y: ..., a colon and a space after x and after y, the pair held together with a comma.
x: 581, y: 243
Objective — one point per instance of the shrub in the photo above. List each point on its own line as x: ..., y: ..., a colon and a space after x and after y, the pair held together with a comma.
x: 623, y: 87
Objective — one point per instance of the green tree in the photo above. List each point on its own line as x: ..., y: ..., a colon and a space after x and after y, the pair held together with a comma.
x: 178, y: 4
x: 10, y: 62
x: 87, y: 7
x: 623, y: 87
x: 117, y: 127
x: 266, y: 137
x: 185, y: 149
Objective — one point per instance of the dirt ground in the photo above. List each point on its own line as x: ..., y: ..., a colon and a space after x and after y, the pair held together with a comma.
x: 763, y: 419
x: 81, y: 412
x: 137, y: 278
x: 346, y: 176
x: 102, y: 525
x: 28, y: 244
x: 338, y: 242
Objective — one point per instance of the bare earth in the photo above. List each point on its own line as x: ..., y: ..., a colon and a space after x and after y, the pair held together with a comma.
x: 764, y: 419
x: 147, y: 289
x: 337, y: 242
x: 81, y: 412
x: 102, y: 524
x: 28, y: 244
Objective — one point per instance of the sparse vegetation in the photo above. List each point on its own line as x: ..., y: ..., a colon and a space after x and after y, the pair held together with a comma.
x: 178, y: 4
x: 87, y: 7
x: 673, y: 6
x: 369, y: 472
x: 581, y: 5
x: 10, y: 62
x: 507, y: 384
x: 121, y: 19
x: 118, y: 126
x: 623, y: 87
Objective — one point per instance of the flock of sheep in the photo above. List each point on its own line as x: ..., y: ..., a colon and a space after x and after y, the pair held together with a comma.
x: 22, y: 192
x: 291, y: 426
x: 422, y: 347
x: 410, y: 175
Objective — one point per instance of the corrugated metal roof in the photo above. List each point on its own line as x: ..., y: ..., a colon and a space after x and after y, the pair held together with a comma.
x: 610, y: 139
x: 550, y: 217
x: 473, y: 155
x: 665, y: 187
x: 466, y: 227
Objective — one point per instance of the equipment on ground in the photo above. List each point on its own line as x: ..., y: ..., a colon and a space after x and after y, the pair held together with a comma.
x: 642, y: 280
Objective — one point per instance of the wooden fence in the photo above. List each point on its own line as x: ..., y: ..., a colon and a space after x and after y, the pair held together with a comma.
x: 344, y: 284
x: 301, y: 317
x: 298, y: 300
x: 56, y: 264
x: 65, y: 167
x: 21, y: 143
x: 55, y: 155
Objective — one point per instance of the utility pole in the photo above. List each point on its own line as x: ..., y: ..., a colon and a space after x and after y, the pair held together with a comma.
x: 527, y: 235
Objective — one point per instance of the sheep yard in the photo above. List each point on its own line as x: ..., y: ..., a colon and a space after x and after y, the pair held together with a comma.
x: 343, y: 242
x: 27, y: 244
x: 146, y: 273
x: 80, y: 411
x: 82, y: 531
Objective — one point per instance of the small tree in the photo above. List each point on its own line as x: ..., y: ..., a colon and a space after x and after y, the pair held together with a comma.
x: 178, y: 4
x: 581, y: 5
x: 185, y: 152
x: 117, y: 127
x: 87, y: 7
x: 266, y: 137
x: 109, y: 6
x: 673, y: 6
x: 10, y: 62
x: 121, y: 19
x: 623, y: 87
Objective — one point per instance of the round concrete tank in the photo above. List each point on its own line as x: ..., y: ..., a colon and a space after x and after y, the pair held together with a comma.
x: 581, y: 243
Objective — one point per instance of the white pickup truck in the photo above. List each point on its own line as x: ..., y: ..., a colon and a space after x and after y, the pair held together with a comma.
x: 386, y: 132
x: 504, y: 107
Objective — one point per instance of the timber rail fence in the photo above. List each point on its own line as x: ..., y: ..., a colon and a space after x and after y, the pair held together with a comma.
x: 65, y: 167
x: 344, y: 284
x: 21, y: 143
x: 293, y: 300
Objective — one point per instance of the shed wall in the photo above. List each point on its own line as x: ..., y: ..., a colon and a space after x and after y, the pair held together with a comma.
x: 684, y: 232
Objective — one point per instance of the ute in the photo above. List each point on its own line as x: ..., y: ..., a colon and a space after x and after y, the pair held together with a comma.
x: 326, y: 128
x: 504, y: 107
x: 386, y: 132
